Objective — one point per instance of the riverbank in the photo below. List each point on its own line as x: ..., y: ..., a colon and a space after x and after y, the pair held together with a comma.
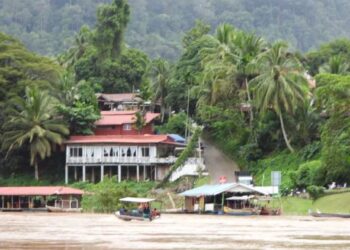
x: 96, y: 231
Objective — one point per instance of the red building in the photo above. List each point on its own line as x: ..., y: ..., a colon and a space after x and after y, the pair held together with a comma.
x: 122, y: 123
x: 118, y: 149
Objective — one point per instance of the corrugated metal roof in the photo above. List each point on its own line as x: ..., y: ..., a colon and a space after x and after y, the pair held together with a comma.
x: 43, y: 190
x: 209, y: 190
x: 122, y: 117
x: 121, y: 97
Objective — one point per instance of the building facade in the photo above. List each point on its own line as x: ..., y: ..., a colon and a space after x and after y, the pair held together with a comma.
x: 131, y: 157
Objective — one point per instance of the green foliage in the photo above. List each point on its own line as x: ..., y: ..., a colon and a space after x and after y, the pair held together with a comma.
x: 111, y: 23
x: 334, y: 54
x: 33, y: 122
x: 140, y: 122
x: 280, y: 85
x: 334, y: 98
x: 188, y: 151
x: 315, y: 192
x: 307, y: 174
x: 104, y: 197
x: 78, y: 105
x: 176, y: 124
x: 156, y: 27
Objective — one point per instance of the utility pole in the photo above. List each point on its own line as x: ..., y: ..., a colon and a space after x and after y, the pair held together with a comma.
x: 187, y: 119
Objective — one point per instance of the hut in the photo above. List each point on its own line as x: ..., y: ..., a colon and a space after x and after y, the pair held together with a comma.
x: 215, y: 197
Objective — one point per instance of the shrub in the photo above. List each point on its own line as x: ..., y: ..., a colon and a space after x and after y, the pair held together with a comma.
x: 306, y: 175
x: 315, y: 191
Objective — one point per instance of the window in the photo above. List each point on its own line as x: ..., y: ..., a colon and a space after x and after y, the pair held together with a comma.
x: 127, y: 126
x: 128, y: 153
x: 76, y: 152
x: 145, y: 151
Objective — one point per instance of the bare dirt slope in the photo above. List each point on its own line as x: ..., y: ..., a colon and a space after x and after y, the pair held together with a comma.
x: 217, y: 163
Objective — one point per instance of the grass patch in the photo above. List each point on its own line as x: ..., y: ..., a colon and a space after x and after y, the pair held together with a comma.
x: 335, y: 203
x: 295, y: 205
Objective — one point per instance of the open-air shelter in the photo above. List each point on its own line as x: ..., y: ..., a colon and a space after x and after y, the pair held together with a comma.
x: 213, y: 197
x: 37, y: 197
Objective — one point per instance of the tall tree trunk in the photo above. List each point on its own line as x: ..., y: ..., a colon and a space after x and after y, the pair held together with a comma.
x: 36, y: 171
x: 285, y: 134
x: 251, y: 114
x: 162, y: 113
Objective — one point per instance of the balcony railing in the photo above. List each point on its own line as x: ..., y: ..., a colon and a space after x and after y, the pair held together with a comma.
x: 120, y: 160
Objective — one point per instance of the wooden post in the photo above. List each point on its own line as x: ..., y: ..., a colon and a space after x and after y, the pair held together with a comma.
x: 3, y: 202
x: 138, y: 173
x: 12, y: 201
x: 119, y: 173
x: 66, y: 174
x: 155, y: 173
x: 84, y: 173
x: 102, y: 172
x: 75, y: 173
x: 144, y: 172
x: 93, y: 175
x: 127, y: 172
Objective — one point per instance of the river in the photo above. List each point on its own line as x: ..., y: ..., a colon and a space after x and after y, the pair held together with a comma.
x: 95, y: 231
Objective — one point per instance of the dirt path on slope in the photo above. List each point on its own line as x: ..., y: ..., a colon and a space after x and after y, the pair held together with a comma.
x: 217, y: 163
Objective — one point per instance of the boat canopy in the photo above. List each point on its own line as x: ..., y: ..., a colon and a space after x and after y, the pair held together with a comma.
x: 137, y: 199
x: 210, y: 190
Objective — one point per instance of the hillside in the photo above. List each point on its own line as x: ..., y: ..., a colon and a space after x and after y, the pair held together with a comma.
x: 157, y: 27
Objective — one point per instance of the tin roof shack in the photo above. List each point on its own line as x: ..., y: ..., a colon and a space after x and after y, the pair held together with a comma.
x: 38, y: 198
x: 213, y: 198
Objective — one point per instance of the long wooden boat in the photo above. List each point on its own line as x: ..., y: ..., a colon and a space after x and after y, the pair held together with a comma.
x: 128, y: 217
x: 240, y: 212
x: 319, y: 214
x: 64, y: 210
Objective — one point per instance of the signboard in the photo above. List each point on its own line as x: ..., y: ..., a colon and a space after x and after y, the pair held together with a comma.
x: 222, y: 179
x: 275, y: 178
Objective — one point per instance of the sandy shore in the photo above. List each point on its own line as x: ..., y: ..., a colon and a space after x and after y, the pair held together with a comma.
x: 92, y: 231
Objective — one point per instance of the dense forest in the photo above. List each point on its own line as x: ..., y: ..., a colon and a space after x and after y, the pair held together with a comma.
x: 157, y: 26
x: 265, y: 105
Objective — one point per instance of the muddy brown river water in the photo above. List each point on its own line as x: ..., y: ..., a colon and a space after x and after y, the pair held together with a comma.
x: 93, y: 231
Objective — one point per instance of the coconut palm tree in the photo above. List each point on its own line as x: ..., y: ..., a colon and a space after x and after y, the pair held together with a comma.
x: 280, y: 85
x: 218, y: 59
x: 335, y: 65
x: 80, y: 46
x: 33, y: 123
x: 160, y: 75
x: 248, y: 46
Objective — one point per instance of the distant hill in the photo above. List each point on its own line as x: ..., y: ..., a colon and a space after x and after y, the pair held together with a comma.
x: 157, y: 26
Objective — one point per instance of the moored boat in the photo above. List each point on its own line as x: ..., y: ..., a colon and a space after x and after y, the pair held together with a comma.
x: 65, y: 210
x: 334, y: 215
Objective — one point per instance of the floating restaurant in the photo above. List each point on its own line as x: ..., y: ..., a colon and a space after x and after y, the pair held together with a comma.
x: 38, y: 198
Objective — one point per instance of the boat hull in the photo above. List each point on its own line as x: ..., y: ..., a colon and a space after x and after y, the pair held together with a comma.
x: 63, y: 210
x: 330, y: 215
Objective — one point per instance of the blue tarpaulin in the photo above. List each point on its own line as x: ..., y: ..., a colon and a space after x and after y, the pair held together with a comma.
x: 177, y: 138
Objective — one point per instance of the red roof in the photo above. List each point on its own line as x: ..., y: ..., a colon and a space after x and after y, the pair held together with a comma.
x: 122, y: 97
x: 121, y: 139
x: 122, y: 117
x: 46, y: 191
